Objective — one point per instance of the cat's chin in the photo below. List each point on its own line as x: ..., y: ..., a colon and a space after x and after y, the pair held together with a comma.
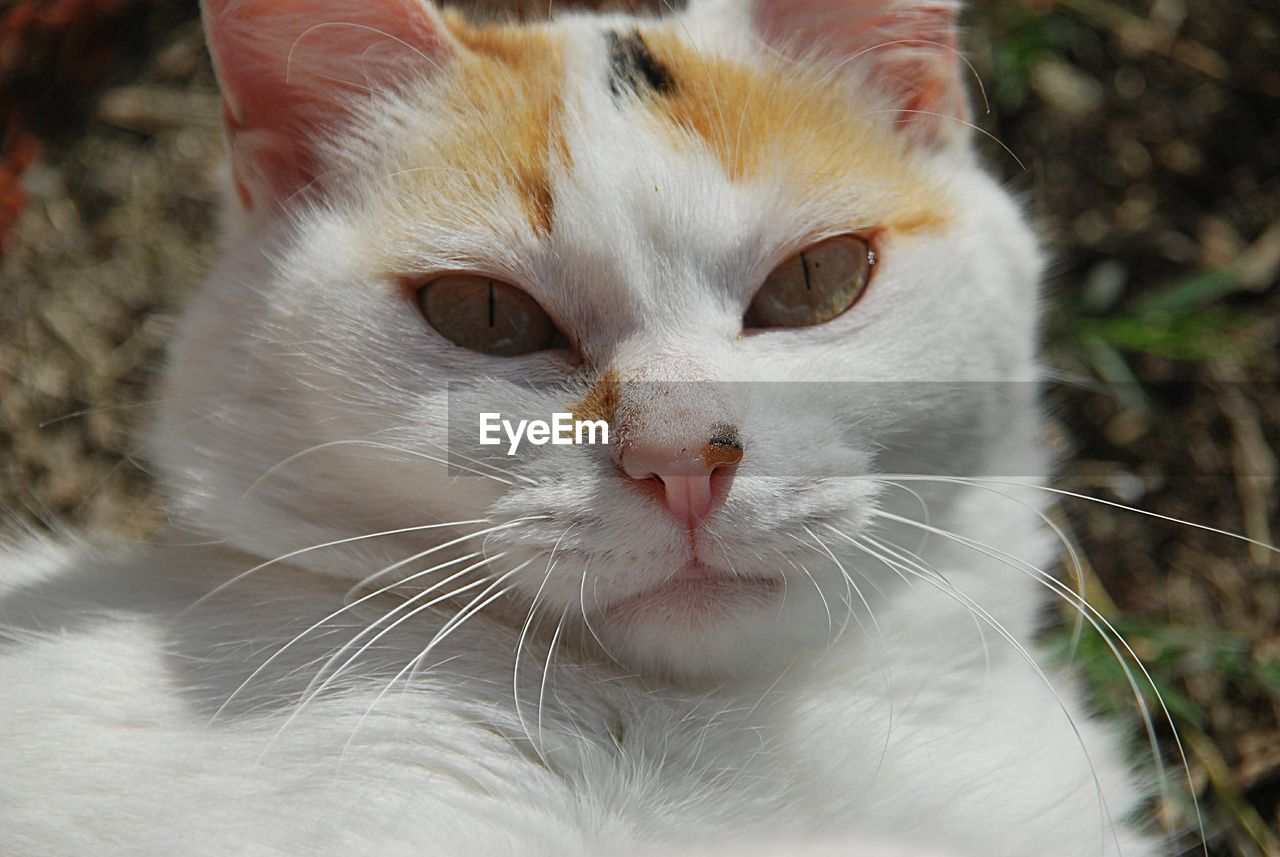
x: 696, y: 596
x: 706, y: 624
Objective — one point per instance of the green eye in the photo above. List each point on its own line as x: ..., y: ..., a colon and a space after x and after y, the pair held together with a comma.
x: 488, y: 316
x: 813, y: 286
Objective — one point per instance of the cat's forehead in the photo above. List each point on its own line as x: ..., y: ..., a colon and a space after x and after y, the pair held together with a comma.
x: 641, y: 118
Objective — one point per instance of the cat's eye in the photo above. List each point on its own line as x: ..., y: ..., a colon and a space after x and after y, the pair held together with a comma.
x: 488, y: 316
x: 813, y: 286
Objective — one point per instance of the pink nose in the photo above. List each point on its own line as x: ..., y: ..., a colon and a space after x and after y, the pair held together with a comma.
x: 693, y: 479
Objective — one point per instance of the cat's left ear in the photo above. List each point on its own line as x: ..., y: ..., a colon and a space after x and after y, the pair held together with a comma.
x: 293, y: 70
x: 905, y: 48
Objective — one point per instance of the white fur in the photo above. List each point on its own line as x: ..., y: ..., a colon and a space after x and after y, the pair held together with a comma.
x: 306, y: 406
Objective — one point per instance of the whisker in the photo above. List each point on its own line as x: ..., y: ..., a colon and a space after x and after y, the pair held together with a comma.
x: 546, y: 669
x: 465, y: 613
x: 1110, y: 636
x: 308, y: 693
x: 586, y: 619
x: 471, y: 609
x: 533, y: 606
x: 885, y: 670
x: 483, y: 463
x: 322, y: 622
x: 834, y: 70
x: 485, y: 533
x: 831, y: 625
x: 848, y: 586
x: 979, y: 481
x: 270, y: 471
x: 242, y: 575
x: 1106, y: 820
x: 982, y: 636
x: 515, y: 670
x: 984, y: 132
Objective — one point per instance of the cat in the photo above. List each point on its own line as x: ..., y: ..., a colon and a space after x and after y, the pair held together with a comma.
x: 755, y: 240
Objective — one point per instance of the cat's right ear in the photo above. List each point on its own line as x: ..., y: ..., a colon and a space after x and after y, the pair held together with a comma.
x: 904, y: 48
x: 290, y: 70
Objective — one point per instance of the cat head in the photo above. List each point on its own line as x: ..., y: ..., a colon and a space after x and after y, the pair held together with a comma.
x: 752, y: 237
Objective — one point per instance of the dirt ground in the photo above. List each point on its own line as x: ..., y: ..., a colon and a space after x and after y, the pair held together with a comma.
x: 1143, y: 135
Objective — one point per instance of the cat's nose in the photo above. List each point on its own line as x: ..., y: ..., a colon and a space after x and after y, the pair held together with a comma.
x: 692, y: 479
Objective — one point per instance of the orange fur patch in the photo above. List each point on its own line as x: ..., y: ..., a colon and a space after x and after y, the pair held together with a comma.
x: 601, y: 401
x: 784, y: 118
x: 509, y: 78
x: 716, y: 454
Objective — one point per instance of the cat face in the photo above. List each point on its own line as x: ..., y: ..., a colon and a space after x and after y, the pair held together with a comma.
x: 751, y: 237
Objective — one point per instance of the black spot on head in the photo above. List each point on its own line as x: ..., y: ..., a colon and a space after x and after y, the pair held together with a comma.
x: 632, y: 68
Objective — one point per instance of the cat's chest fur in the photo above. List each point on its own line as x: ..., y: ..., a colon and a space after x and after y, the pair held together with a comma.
x: 117, y: 727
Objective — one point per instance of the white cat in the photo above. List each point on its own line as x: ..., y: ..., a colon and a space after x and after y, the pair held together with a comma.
x: 754, y: 238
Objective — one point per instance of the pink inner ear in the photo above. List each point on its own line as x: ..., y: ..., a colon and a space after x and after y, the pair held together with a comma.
x: 906, y: 47
x: 291, y: 69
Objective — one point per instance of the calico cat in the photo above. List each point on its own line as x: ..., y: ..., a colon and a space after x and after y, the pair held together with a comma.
x: 754, y: 240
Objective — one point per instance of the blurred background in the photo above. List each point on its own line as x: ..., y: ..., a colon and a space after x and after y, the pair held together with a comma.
x: 1143, y: 136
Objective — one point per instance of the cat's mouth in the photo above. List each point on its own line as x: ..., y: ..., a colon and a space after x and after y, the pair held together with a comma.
x: 695, y: 594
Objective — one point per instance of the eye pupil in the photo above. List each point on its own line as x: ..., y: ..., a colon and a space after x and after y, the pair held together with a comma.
x: 814, y: 286
x: 463, y: 308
